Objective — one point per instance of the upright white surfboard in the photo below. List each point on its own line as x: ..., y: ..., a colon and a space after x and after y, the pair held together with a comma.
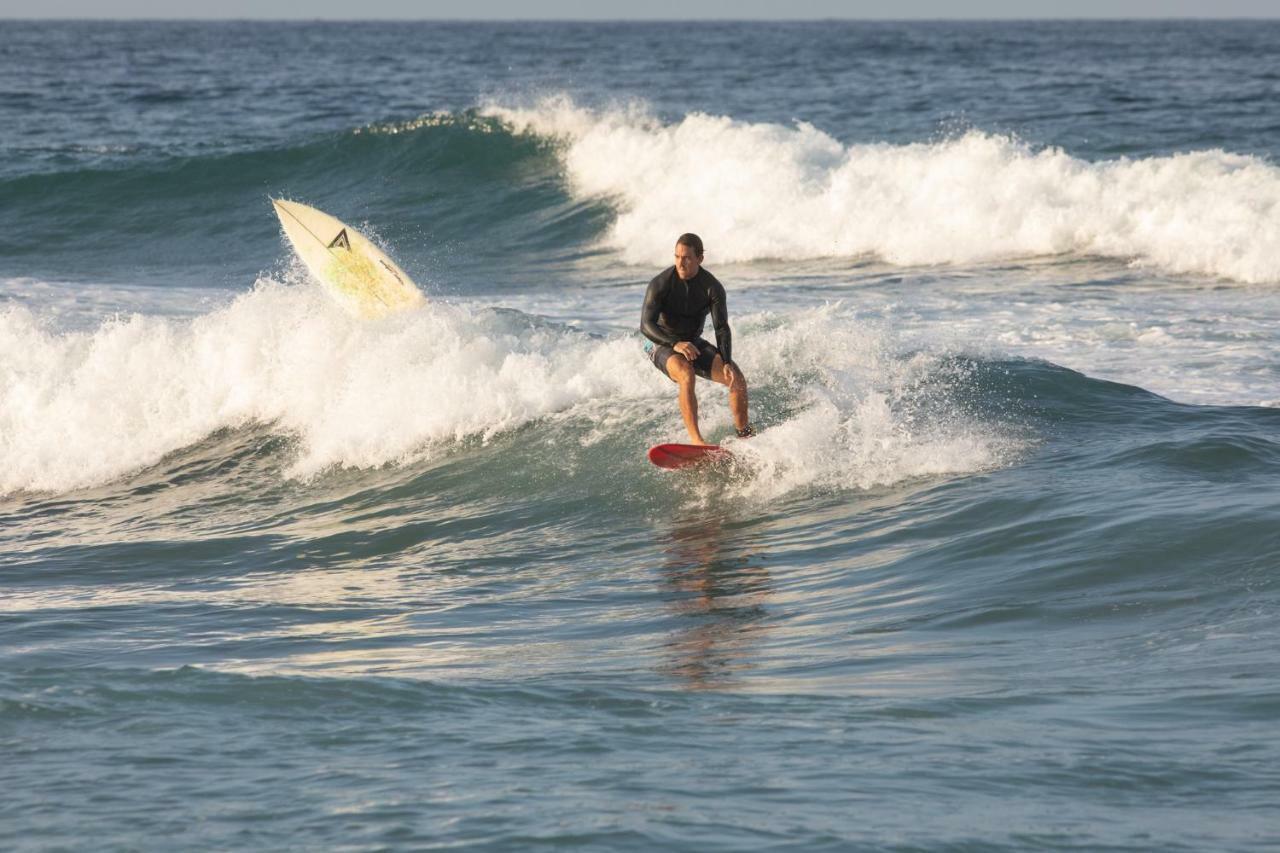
x: 358, y: 275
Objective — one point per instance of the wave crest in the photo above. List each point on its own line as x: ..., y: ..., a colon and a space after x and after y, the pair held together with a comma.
x: 759, y: 190
x: 81, y: 408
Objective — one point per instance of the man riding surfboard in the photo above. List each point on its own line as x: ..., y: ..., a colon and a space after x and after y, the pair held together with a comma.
x: 675, y: 311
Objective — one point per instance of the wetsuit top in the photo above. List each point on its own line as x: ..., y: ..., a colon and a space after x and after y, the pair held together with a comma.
x: 676, y: 310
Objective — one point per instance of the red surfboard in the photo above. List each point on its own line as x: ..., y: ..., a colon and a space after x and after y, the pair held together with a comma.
x: 687, y: 455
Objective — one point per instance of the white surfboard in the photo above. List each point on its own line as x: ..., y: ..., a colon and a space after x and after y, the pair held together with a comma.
x: 358, y: 275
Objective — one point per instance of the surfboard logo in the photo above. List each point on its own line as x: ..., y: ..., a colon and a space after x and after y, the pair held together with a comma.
x: 341, y: 241
x: 386, y: 266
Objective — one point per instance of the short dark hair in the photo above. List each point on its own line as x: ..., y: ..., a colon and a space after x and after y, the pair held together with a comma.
x: 693, y: 241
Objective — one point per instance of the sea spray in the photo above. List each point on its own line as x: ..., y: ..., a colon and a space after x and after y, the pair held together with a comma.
x: 864, y: 411
x: 758, y: 190
x: 83, y: 407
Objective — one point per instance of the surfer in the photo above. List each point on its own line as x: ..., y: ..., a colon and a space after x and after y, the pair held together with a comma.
x: 675, y: 310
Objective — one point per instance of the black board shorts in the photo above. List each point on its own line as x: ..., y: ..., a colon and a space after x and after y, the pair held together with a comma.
x: 707, y: 352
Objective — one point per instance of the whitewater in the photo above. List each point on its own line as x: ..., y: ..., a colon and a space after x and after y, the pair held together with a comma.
x: 767, y: 191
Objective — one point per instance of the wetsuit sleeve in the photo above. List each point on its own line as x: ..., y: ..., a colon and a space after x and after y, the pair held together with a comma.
x: 720, y: 322
x: 653, y: 298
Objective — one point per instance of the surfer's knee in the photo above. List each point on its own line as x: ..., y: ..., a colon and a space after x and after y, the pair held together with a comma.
x: 735, y: 380
x: 679, y: 369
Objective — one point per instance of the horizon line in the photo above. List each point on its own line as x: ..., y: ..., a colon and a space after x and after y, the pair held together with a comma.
x: 624, y: 20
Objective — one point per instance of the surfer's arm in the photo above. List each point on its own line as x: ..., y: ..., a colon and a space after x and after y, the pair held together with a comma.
x: 649, y: 314
x: 720, y: 322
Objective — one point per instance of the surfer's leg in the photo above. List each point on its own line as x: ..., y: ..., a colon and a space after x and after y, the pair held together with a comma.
x: 681, y: 372
x: 737, y: 392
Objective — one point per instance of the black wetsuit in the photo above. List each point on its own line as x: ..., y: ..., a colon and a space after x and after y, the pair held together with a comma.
x: 676, y: 310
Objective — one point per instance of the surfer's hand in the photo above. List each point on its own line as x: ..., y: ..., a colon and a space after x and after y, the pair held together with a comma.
x: 688, y: 350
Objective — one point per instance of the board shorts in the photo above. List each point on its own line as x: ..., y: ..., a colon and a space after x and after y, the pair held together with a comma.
x: 707, y: 352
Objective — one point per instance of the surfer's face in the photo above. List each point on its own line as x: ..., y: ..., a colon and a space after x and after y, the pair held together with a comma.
x: 687, y: 261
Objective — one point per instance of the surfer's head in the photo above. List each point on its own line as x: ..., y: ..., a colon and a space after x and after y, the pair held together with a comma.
x: 688, y: 255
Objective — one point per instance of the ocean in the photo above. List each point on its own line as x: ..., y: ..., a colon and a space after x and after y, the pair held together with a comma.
x: 998, y: 573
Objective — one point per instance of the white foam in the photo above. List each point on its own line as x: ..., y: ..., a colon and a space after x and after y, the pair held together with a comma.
x: 759, y: 190
x: 84, y: 407
x: 79, y: 408
x: 867, y: 415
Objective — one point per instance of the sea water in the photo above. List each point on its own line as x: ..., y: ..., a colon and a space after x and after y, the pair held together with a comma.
x: 998, y: 573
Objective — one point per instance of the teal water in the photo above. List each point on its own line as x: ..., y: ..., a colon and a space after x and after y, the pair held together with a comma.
x: 997, y: 574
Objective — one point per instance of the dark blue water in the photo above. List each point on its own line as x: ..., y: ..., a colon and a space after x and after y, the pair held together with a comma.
x: 999, y: 572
